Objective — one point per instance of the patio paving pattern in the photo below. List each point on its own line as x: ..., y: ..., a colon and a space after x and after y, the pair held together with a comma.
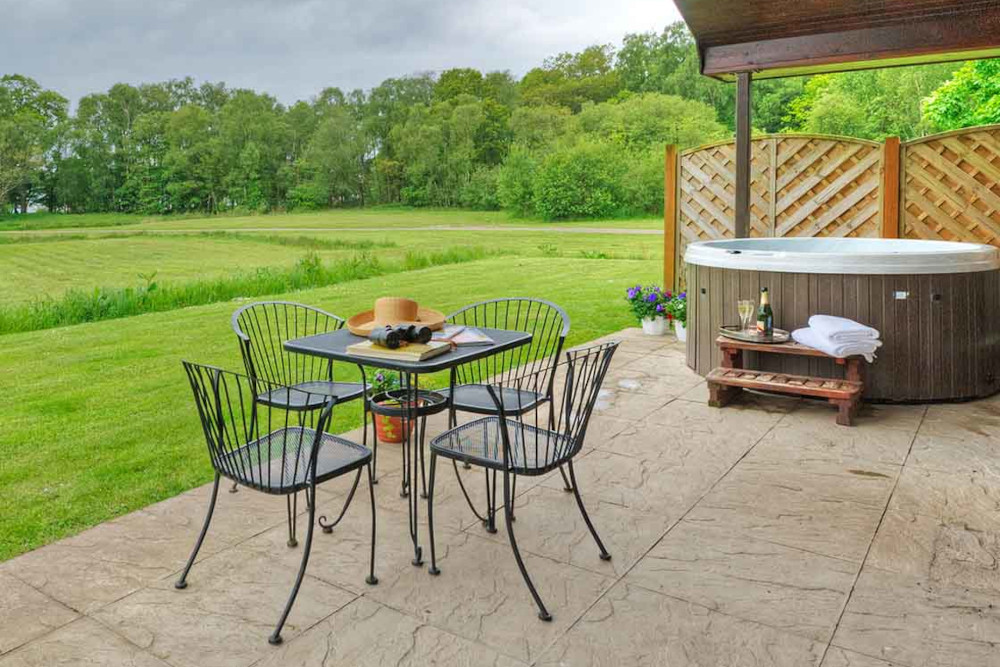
x: 759, y: 534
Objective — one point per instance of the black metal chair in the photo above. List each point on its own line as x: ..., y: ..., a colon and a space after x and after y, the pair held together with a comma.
x: 274, y: 450
x: 506, y: 443
x: 549, y: 325
x: 262, y: 329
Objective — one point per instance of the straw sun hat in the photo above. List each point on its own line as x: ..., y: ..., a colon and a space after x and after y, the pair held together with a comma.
x: 393, y: 311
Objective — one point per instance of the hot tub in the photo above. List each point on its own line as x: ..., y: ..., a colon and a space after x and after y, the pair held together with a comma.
x: 937, y: 304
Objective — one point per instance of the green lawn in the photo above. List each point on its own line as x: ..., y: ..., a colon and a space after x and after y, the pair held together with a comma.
x: 48, y: 268
x: 380, y: 217
x: 103, y: 422
x: 39, y: 270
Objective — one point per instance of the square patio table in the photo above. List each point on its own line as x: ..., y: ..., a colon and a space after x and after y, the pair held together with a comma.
x: 333, y: 346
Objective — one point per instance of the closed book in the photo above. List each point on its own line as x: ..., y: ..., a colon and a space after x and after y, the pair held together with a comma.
x: 470, y: 337
x: 409, y: 352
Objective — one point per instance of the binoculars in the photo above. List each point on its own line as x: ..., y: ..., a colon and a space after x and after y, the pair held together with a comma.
x: 393, y: 337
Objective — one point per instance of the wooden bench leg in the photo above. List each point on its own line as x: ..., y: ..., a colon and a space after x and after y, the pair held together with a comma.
x: 720, y: 395
x: 846, y: 409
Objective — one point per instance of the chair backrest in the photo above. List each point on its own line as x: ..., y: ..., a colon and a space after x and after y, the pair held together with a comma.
x: 263, y: 328
x: 252, y: 443
x: 547, y: 323
x: 559, y: 436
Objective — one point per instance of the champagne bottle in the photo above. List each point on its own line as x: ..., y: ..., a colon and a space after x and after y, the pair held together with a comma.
x: 765, y: 316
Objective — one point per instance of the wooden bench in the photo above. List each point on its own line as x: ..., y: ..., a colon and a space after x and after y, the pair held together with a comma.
x: 726, y: 383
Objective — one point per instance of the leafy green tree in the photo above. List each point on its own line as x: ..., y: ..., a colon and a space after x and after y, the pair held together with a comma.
x: 334, y: 165
x: 571, y: 79
x: 640, y: 121
x: 29, y: 118
x: 970, y: 97
x: 869, y: 104
x: 459, y: 81
x: 537, y: 127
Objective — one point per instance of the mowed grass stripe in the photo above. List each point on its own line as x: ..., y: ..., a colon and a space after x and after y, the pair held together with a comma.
x: 98, y: 420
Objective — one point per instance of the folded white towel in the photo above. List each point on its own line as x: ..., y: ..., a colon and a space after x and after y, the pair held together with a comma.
x: 841, y: 329
x: 812, y: 338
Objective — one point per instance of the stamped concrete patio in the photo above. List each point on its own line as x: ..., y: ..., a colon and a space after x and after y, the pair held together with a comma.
x: 761, y: 534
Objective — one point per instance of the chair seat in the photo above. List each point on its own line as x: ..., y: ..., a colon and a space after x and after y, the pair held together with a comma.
x: 310, y: 395
x: 533, y: 450
x: 279, y: 461
x: 476, y: 398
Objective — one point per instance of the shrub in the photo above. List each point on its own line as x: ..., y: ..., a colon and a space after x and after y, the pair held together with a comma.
x: 643, y: 184
x: 515, y: 182
x: 583, y: 181
x: 480, y: 193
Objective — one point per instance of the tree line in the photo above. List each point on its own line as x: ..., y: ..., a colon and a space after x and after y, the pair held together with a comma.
x: 581, y: 135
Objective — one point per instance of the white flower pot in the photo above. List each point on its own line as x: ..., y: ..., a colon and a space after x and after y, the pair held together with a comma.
x: 654, y: 327
x: 680, y: 330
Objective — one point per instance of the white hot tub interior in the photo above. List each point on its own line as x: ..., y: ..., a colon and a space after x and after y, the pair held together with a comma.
x: 844, y: 255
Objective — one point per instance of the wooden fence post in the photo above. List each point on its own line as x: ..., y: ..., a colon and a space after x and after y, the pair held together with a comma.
x: 890, y: 188
x: 670, y: 217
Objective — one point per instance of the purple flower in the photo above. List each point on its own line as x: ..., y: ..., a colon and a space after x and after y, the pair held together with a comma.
x: 683, y: 295
x: 652, y: 297
x: 659, y: 307
x: 632, y: 292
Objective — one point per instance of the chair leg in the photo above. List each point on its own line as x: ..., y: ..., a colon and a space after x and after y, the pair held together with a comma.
x: 235, y: 487
x: 586, y: 517
x: 328, y: 527
x: 275, y: 637
x: 292, y: 507
x: 182, y: 582
x: 371, y: 580
x: 567, y: 487
x: 508, y: 505
x: 374, y: 445
x: 491, y: 502
x: 430, y: 515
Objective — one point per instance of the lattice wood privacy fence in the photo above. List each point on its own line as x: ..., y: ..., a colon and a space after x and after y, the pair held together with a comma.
x: 951, y: 186
x: 945, y: 186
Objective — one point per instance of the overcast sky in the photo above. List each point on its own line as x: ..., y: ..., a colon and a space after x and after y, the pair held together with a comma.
x: 295, y: 48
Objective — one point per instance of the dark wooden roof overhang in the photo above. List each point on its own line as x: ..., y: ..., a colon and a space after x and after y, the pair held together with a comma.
x: 774, y: 38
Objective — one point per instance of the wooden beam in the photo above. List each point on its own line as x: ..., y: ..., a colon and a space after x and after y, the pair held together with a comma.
x: 670, y: 217
x: 931, y: 39
x: 891, y: 176
x: 741, y: 227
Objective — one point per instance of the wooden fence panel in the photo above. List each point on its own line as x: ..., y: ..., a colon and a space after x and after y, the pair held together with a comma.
x: 801, y: 185
x: 951, y: 186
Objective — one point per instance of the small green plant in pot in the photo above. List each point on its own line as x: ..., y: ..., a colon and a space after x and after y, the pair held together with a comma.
x: 649, y: 305
x: 677, y: 310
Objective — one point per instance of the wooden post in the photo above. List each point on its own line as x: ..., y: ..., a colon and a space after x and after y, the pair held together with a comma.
x: 890, y: 188
x: 741, y: 229
x: 670, y: 217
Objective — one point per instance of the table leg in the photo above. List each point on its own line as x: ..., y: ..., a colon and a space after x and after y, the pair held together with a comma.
x: 414, y: 465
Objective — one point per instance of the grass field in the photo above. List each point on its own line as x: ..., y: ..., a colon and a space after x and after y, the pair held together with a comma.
x: 103, y: 422
x: 379, y: 217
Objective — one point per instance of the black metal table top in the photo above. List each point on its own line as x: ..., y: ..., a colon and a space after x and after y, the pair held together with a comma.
x: 334, y: 344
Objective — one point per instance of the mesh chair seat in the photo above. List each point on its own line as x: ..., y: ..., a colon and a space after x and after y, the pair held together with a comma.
x: 310, y: 395
x: 533, y: 450
x: 476, y: 398
x: 279, y: 461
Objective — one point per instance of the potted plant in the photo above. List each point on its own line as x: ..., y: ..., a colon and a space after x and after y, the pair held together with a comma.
x: 387, y: 428
x: 649, y: 305
x: 677, y: 308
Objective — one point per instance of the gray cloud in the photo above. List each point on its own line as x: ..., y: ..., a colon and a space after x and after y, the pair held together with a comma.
x: 294, y: 48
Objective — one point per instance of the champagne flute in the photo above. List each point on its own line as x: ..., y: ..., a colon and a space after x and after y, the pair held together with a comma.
x: 745, y: 307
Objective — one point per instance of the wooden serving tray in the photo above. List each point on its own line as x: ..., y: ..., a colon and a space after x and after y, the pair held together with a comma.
x: 777, y: 335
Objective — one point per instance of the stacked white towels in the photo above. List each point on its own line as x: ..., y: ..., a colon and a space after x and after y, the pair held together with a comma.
x: 839, y: 337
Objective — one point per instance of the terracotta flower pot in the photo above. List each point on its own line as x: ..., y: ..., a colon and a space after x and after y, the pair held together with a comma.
x: 390, y: 429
